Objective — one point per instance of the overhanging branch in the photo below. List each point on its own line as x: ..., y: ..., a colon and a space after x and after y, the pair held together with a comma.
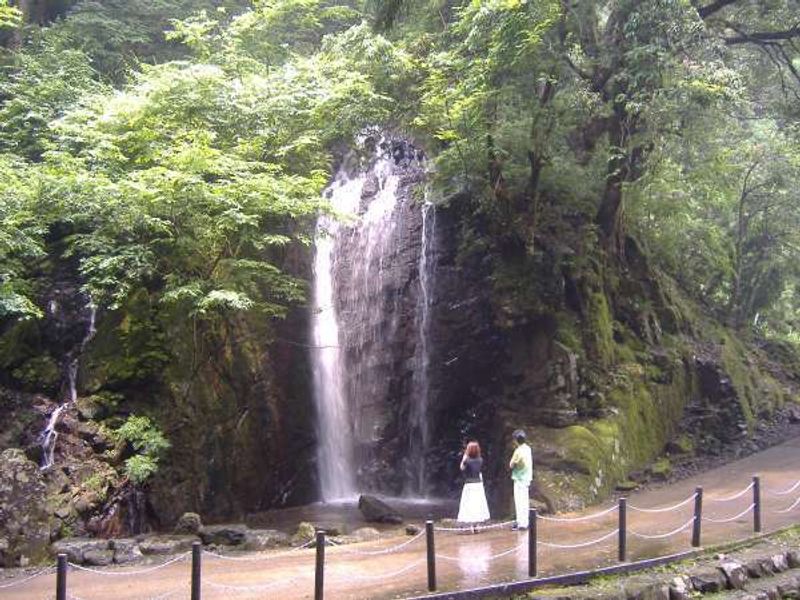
x: 716, y: 6
x: 763, y: 36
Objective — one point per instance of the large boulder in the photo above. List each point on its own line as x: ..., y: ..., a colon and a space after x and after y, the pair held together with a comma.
x: 189, y: 524
x: 167, y: 544
x: 377, y: 511
x: 125, y: 550
x: 224, y: 535
x: 263, y: 539
x: 84, y: 550
x: 24, y: 518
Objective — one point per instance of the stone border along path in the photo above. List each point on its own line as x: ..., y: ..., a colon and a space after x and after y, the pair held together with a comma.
x: 473, y: 561
x: 767, y: 568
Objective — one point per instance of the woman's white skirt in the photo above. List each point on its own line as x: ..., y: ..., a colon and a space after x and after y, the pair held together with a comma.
x: 473, y: 507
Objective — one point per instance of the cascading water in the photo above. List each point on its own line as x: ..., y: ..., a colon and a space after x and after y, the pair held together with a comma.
x: 362, y: 319
x: 50, y: 434
x: 420, y: 429
x: 335, y: 449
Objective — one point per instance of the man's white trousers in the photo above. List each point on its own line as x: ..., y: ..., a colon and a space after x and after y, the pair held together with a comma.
x: 522, y: 502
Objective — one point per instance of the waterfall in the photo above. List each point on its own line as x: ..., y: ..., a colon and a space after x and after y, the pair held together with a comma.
x: 49, y: 436
x: 334, y: 433
x: 370, y: 372
x: 420, y: 430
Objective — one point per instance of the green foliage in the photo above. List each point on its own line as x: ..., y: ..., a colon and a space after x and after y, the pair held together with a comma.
x: 149, y: 444
x: 10, y: 16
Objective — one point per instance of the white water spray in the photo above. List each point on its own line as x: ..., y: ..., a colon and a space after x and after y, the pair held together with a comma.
x: 50, y: 434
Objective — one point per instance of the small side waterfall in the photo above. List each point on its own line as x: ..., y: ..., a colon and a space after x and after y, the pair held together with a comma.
x: 368, y: 312
x: 49, y: 436
x: 420, y: 429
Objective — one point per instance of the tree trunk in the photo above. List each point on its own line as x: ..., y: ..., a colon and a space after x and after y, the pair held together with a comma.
x: 609, y: 215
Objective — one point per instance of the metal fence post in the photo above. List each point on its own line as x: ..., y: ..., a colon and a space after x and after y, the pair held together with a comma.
x: 319, y: 574
x: 532, y: 533
x: 698, y: 516
x: 61, y: 577
x: 756, y: 504
x: 197, y: 554
x: 429, y: 543
x: 623, y: 528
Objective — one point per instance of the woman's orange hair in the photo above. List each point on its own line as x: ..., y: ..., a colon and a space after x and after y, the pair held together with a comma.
x: 473, y: 450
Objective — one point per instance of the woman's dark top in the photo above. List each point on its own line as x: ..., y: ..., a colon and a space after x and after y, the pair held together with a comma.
x: 472, y: 469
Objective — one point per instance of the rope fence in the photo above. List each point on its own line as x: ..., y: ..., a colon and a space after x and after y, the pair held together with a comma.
x: 599, y: 540
x: 335, y: 549
x: 681, y: 504
x: 591, y: 517
x: 661, y: 536
x: 730, y: 519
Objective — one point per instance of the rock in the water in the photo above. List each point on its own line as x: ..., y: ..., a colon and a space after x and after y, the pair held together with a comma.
x: 189, y: 524
x: 263, y: 539
x: 125, y: 550
x: 24, y: 518
x: 167, y: 544
x: 98, y: 558
x: 224, y: 535
x: 377, y: 511
x: 77, y: 549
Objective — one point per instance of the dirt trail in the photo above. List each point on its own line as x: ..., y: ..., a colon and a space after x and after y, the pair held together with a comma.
x: 465, y: 560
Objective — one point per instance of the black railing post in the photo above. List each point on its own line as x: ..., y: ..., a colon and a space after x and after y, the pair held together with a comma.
x: 197, y: 557
x: 61, y: 577
x: 429, y: 542
x: 698, y: 516
x: 756, y: 504
x: 319, y: 574
x: 623, y: 528
x: 532, y: 542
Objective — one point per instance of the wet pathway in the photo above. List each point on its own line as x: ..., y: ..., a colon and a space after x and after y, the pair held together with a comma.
x: 380, y: 570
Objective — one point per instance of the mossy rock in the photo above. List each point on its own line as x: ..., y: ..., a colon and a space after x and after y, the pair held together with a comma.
x: 683, y: 444
x: 661, y: 469
x: 40, y: 372
x: 626, y: 486
x: 599, y: 328
x: 305, y: 533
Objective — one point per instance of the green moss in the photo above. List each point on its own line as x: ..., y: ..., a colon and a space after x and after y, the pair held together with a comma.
x: 568, y: 333
x: 661, y: 469
x: 599, y: 330
x: 758, y: 393
x: 38, y: 372
x: 601, y: 452
x: 683, y: 444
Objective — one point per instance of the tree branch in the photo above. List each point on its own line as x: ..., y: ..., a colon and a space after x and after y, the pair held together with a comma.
x: 716, y: 6
x: 762, y: 36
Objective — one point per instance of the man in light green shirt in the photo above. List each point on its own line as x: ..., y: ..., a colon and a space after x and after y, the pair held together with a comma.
x: 521, y: 466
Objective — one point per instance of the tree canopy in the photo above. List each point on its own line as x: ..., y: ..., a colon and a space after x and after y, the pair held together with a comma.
x: 181, y: 146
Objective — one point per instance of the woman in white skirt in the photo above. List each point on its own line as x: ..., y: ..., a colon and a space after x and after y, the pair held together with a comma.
x: 473, y: 508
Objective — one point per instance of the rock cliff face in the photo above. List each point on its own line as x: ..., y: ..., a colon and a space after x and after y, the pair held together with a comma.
x: 603, y: 364
x: 24, y: 517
